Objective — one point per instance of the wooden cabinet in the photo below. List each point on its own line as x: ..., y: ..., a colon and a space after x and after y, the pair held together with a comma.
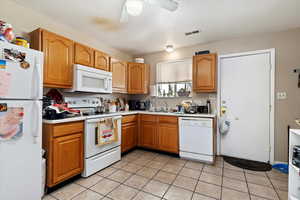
x: 67, y: 156
x: 84, y: 55
x: 205, y: 73
x: 148, y: 135
x: 64, y: 151
x: 58, y: 58
x: 159, y: 132
x: 138, y: 78
x: 119, y: 76
x: 129, y: 133
x: 168, y: 137
x: 102, y: 61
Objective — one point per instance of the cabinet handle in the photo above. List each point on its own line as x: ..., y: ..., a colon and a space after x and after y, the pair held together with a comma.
x: 96, y: 135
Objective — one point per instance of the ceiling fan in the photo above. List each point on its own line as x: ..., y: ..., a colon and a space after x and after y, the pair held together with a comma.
x: 135, y: 7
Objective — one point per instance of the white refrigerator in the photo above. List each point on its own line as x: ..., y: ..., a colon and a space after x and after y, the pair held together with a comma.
x: 20, y: 122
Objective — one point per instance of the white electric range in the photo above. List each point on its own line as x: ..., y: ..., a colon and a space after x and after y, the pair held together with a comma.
x: 96, y: 157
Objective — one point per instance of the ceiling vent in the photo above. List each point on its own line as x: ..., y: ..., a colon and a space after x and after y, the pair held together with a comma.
x: 192, y: 33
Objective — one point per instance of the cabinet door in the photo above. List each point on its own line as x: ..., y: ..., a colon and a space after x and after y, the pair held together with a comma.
x: 148, y: 137
x: 102, y: 61
x: 84, y: 55
x: 119, y: 76
x: 129, y: 137
x: 58, y: 60
x: 67, y: 156
x: 204, y: 73
x: 138, y: 78
x: 168, y: 138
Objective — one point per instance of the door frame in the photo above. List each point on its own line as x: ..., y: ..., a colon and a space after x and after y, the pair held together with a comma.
x: 272, y: 95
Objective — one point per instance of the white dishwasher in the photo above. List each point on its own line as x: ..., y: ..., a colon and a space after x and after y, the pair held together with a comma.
x: 196, y: 138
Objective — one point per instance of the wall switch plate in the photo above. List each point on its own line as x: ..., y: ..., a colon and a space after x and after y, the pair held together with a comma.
x: 281, y: 95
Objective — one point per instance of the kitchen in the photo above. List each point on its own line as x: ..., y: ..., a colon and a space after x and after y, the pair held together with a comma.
x: 150, y: 106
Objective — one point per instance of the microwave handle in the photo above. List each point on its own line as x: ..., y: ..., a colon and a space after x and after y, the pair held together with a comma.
x: 106, y: 83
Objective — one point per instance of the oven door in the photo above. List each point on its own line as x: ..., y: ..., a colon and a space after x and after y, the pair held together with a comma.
x: 93, y: 80
x: 90, y: 147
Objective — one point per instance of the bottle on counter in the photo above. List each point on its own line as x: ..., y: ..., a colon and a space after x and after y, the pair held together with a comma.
x: 208, y: 104
x: 126, y: 107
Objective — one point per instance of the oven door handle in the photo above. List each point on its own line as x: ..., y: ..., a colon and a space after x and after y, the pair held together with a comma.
x: 96, y: 120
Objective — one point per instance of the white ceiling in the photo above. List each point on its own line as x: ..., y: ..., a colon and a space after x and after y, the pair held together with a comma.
x: 156, y: 27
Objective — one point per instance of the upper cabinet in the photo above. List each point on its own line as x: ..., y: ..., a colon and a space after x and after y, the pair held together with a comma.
x: 102, y: 61
x: 119, y: 76
x: 84, y: 55
x: 138, y: 78
x: 205, y: 73
x: 58, y: 58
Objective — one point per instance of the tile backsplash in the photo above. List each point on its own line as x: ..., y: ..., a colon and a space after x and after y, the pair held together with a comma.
x: 197, y: 98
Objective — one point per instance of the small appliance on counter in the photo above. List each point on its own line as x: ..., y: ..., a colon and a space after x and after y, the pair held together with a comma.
x: 138, y: 105
x: 202, y: 109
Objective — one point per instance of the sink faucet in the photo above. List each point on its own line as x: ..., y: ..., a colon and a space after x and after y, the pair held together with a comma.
x: 166, y: 105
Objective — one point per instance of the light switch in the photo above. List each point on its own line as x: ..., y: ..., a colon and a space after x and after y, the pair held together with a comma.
x: 281, y: 95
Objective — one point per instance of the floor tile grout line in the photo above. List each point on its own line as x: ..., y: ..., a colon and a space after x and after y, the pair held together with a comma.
x: 221, y: 196
x: 170, y: 185
x: 148, y: 180
x: 198, y: 180
x: 128, y: 179
x: 273, y: 187
x: 247, y: 184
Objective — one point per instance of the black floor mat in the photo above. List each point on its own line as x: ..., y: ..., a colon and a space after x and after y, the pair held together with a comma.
x: 248, y: 164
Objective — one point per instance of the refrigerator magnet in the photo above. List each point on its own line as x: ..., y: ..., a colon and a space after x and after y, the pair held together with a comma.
x: 11, y: 123
x: 5, y: 82
x: 24, y: 64
x: 2, y: 64
x: 14, y: 55
x: 3, y: 107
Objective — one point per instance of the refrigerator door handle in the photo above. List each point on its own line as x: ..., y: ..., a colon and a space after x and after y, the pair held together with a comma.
x: 37, y: 75
x: 36, y: 121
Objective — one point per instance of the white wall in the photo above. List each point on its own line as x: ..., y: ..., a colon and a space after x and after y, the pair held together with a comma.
x: 25, y: 20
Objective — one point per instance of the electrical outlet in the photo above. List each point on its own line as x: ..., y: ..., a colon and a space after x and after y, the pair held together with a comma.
x: 281, y: 95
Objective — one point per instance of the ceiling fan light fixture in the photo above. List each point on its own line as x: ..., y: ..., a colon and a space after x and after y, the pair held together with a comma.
x: 169, y: 48
x: 134, y: 7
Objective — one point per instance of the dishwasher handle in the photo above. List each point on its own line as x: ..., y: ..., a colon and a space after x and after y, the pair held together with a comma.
x: 202, y: 122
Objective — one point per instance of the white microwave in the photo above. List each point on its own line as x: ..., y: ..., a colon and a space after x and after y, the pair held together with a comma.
x: 87, y: 79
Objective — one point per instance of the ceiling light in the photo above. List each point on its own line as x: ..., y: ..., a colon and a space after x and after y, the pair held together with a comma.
x: 134, y: 7
x: 169, y: 48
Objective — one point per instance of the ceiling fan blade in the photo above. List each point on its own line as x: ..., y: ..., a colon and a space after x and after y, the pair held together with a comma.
x: 170, y: 5
x: 124, y: 14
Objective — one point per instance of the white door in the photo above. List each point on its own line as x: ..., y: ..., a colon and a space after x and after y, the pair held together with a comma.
x: 245, y: 91
x: 20, y: 150
x: 20, y: 80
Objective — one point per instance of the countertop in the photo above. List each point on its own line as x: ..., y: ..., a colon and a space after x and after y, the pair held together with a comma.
x: 81, y: 118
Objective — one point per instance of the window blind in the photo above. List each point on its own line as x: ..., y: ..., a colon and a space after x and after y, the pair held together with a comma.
x: 174, y: 71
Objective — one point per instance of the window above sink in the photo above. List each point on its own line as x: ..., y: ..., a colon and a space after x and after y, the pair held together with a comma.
x: 174, y: 79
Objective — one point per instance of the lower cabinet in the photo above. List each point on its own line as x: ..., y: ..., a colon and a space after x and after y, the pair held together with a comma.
x: 159, y: 133
x: 129, y: 133
x: 168, y: 138
x: 148, y: 135
x: 64, y: 151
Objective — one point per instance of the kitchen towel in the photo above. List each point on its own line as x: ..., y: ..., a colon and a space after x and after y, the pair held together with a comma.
x: 107, y: 132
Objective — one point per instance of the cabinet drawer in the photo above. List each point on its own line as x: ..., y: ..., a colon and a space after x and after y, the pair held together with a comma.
x: 129, y: 118
x: 168, y: 119
x: 149, y: 118
x: 67, y: 128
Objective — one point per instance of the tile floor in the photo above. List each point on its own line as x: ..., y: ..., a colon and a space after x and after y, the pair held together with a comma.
x: 143, y: 175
